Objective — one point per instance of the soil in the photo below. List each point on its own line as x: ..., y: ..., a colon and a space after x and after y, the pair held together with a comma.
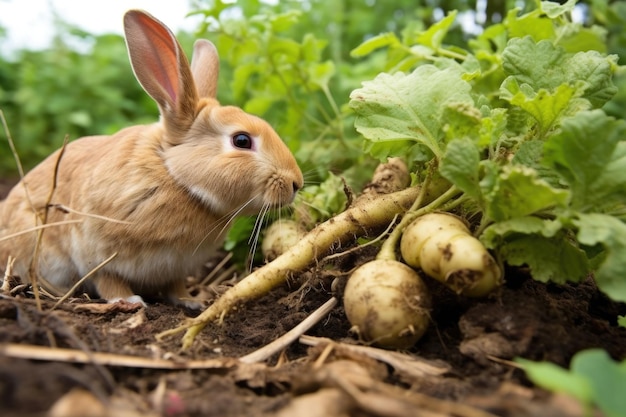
x: 463, y: 366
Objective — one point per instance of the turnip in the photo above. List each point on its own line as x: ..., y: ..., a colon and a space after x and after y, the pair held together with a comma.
x: 280, y: 236
x: 443, y: 247
x: 387, y: 303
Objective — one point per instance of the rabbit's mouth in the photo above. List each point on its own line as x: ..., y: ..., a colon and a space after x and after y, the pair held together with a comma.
x: 282, y: 190
x: 283, y: 199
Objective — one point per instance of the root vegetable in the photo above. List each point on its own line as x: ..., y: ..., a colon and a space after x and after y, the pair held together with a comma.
x: 442, y: 246
x: 370, y: 213
x: 389, y: 177
x: 387, y: 303
x: 279, y: 237
x: 385, y: 300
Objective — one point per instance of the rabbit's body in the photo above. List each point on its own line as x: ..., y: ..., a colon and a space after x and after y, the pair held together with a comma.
x: 159, y: 230
x: 159, y: 196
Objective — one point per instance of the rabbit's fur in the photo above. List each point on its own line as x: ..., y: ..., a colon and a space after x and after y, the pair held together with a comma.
x: 159, y: 196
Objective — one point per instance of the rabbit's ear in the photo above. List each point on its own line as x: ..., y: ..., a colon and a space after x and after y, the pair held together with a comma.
x: 162, y: 69
x: 205, y: 67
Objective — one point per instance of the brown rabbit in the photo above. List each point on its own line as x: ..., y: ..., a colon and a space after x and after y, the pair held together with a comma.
x: 159, y: 196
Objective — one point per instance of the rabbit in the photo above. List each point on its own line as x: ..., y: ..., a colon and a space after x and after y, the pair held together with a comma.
x: 159, y: 197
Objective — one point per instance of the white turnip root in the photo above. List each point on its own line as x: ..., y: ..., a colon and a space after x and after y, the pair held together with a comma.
x: 389, y: 177
x: 443, y: 247
x: 387, y: 303
x: 279, y: 237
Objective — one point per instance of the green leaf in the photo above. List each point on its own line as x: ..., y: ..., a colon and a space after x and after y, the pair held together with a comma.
x: 80, y: 118
x: 546, y: 107
x: 554, y: 10
x: 399, y: 106
x: 583, y: 151
x: 312, y: 48
x: 606, y: 379
x: 462, y: 120
x: 530, y: 24
x: 530, y: 154
x: 405, y: 149
x: 518, y: 191
x: 492, y: 127
x: 374, y: 43
x: 461, y: 164
x: 556, y: 379
x: 540, y: 244
x: 549, y: 259
x: 242, y: 76
x: 497, y: 233
x: 581, y: 39
x: 259, y: 104
x: 284, y: 21
x: 317, y: 203
x: 594, y: 379
x: 240, y: 232
x: 493, y: 39
x: 610, y: 232
x: 434, y: 35
x: 283, y: 49
x: 610, y: 186
x: 545, y: 66
x: 321, y: 73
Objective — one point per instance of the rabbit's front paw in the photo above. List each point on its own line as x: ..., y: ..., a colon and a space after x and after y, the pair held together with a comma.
x: 133, y: 299
x: 177, y: 294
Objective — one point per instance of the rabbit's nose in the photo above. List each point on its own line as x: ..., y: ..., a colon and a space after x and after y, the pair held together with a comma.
x: 296, y: 187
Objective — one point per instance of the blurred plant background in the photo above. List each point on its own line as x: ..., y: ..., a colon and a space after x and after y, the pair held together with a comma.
x: 289, y: 62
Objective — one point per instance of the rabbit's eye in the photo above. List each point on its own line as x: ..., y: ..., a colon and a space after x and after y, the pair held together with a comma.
x: 242, y: 140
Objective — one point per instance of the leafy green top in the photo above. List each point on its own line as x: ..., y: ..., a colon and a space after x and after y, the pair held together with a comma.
x: 516, y: 124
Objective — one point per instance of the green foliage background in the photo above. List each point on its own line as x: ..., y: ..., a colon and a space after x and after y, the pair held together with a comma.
x: 294, y: 63
x: 288, y: 62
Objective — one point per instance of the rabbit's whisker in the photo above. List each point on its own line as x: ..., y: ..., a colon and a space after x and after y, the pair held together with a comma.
x: 258, y: 222
x: 256, y: 233
x: 224, y: 222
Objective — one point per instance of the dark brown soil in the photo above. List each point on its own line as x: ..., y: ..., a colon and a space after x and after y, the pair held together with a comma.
x: 472, y: 342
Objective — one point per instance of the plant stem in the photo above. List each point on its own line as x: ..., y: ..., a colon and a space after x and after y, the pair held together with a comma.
x: 388, y: 249
x: 451, y: 54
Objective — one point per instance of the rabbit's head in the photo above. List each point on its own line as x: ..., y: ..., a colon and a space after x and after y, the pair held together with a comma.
x: 230, y: 160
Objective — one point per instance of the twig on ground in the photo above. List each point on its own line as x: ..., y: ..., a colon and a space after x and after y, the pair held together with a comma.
x: 82, y: 280
x: 15, y: 350
x: 33, y: 270
x: 226, y: 275
x: 408, y: 364
x: 209, y: 278
x: 293, y: 334
x: 8, y: 280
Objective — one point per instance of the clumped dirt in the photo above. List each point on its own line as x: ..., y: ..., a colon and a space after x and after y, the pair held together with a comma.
x: 461, y: 367
x: 471, y: 340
